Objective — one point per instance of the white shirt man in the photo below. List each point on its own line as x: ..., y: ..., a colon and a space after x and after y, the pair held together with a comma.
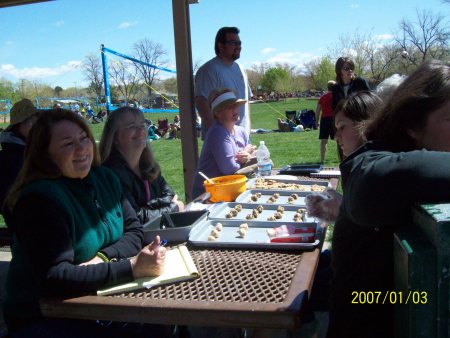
x: 223, y: 72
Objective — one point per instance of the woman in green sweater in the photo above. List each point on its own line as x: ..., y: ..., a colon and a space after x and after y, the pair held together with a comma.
x: 73, y: 231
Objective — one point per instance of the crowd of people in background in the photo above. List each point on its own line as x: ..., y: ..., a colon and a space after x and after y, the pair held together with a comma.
x: 50, y: 166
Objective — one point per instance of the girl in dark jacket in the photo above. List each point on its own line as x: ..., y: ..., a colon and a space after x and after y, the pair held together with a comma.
x: 124, y: 149
x: 405, y: 161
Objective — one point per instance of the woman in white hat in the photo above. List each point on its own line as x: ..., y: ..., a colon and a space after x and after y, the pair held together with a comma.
x: 226, y: 148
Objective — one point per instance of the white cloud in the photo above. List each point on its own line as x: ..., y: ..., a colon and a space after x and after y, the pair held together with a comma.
x: 59, y: 23
x: 9, y: 70
x: 126, y: 24
x: 295, y: 58
x: 384, y: 37
x: 268, y: 50
x: 354, y: 6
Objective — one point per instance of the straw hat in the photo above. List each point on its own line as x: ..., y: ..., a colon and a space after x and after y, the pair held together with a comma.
x: 226, y: 100
x: 21, y: 111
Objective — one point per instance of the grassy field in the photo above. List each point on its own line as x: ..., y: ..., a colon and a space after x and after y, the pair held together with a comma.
x: 285, y: 148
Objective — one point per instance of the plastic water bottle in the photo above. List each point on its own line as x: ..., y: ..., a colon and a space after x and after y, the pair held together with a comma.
x: 263, y: 159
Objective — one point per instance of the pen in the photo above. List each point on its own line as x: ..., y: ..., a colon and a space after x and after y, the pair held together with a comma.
x: 163, y: 242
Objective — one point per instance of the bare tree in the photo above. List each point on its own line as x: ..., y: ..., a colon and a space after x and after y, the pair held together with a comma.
x: 197, y: 64
x: 382, y: 62
x: 93, y: 72
x: 311, y: 70
x: 124, y: 77
x: 427, y: 38
x: 152, y: 53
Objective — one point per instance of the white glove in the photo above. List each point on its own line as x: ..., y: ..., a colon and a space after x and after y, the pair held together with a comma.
x: 324, y: 206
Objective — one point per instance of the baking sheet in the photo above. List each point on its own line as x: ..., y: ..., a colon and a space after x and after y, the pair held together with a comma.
x: 283, y: 199
x: 295, y: 185
x: 301, y: 169
x: 221, y: 209
x: 256, y: 236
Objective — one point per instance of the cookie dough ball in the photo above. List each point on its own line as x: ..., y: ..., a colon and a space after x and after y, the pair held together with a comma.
x: 215, y: 233
x: 211, y: 238
x: 243, y: 226
x: 242, y: 232
x: 219, y: 226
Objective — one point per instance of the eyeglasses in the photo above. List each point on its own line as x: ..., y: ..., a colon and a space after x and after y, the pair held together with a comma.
x: 347, y: 69
x: 234, y: 43
x: 134, y: 127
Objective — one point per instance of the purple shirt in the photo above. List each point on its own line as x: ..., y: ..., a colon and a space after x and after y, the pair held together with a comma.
x: 218, y: 154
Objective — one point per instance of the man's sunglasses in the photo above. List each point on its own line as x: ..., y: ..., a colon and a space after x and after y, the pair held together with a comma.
x: 234, y: 43
x: 347, y: 69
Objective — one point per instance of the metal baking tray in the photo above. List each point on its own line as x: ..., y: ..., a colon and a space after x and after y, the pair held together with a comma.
x: 256, y: 236
x: 295, y: 185
x: 245, y: 197
x: 301, y: 169
x: 221, y: 209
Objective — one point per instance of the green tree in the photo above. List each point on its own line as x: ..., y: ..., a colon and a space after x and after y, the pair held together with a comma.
x: 272, y: 77
x: 7, y: 90
x: 170, y: 85
x: 58, y: 90
x: 324, y: 73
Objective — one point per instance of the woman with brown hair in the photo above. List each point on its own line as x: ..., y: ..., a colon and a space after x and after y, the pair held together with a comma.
x: 346, y: 80
x: 406, y: 161
x: 73, y: 231
x: 124, y: 149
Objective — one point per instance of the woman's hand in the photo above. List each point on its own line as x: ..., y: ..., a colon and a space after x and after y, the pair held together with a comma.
x: 250, y: 148
x: 324, y: 206
x: 179, y: 203
x: 150, y: 260
x: 243, y: 156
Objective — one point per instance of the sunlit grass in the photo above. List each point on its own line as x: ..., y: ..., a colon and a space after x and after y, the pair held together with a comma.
x: 285, y: 148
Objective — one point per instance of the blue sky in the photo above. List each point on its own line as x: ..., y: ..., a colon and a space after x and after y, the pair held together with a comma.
x: 47, y: 41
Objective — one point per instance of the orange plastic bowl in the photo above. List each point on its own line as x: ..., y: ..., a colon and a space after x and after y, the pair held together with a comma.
x: 226, y: 188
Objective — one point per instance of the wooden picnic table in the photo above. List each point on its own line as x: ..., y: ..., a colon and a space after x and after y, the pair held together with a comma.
x: 236, y: 288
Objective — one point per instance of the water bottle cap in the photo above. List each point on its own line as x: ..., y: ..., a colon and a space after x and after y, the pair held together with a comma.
x: 261, y: 142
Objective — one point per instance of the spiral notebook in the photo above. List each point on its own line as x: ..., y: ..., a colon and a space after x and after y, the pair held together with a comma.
x: 179, y: 267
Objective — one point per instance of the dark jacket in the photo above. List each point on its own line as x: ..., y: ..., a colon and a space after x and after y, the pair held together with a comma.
x: 134, y: 190
x: 357, y: 85
x: 11, y: 161
x: 57, y: 225
x: 380, y: 188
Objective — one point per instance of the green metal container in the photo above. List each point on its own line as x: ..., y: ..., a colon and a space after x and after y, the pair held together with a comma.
x: 421, y: 256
